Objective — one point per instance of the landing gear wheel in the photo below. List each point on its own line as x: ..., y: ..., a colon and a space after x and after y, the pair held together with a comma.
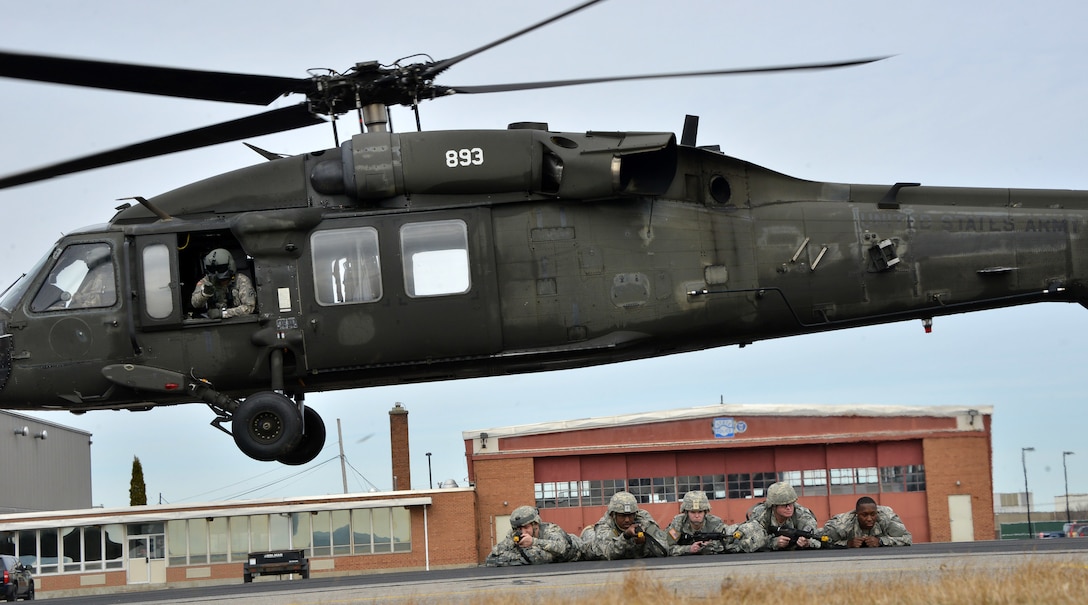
x: 313, y: 440
x: 267, y: 426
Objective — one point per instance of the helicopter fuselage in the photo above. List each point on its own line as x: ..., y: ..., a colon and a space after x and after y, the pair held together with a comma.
x: 446, y: 255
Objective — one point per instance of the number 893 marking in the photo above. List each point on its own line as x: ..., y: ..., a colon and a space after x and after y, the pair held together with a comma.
x: 464, y: 157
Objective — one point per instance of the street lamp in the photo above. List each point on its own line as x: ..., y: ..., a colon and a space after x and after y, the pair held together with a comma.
x: 1027, y: 494
x: 430, y: 480
x: 1065, y: 471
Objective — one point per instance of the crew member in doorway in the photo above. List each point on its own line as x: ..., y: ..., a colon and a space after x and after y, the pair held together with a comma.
x: 223, y: 292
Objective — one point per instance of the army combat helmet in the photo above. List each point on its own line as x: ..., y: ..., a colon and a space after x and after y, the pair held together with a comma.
x: 780, y: 494
x: 695, y: 500
x: 524, y: 515
x: 623, y: 503
x: 219, y: 265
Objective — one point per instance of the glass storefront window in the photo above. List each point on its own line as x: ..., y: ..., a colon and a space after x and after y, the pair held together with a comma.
x: 198, y: 541
x: 322, y: 535
x: 239, y: 538
x: 383, y: 529
x: 176, y: 540
x: 258, y: 533
x: 300, y: 530
x: 218, y: 540
x: 341, y: 532
x: 401, y: 529
x: 279, y: 531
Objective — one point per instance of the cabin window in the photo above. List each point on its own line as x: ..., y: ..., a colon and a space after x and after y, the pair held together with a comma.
x: 435, y: 256
x: 158, y: 298
x: 346, y: 266
x: 82, y: 278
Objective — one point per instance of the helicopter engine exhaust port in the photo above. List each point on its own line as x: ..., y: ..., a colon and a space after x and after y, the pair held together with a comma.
x: 267, y: 426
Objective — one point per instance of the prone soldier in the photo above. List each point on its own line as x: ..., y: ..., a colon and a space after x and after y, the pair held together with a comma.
x: 695, y: 531
x: 780, y: 510
x: 533, y: 542
x: 624, y: 532
x: 867, y: 525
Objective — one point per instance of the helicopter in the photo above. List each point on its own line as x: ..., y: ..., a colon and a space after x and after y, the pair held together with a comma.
x: 408, y: 257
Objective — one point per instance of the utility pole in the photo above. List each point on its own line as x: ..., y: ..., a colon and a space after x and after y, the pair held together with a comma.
x: 1027, y: 494
x: 343, y: 461
x: 1065, y: 471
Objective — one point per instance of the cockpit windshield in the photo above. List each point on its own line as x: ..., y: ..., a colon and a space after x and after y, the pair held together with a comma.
x: 14, y: 293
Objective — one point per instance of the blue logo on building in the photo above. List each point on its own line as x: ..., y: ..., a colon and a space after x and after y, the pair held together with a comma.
x: 728, y: 427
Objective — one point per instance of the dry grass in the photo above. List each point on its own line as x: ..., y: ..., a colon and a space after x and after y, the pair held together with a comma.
x: 1057, y: 584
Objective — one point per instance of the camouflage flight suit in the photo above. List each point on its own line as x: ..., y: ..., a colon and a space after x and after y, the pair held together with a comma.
x: 235, y: 298
x: 97, y: 290
x: 803, y: 519
x: 711, y: 524
x: 888, y: 527
x: 553, y: 546
x: 605, y: 541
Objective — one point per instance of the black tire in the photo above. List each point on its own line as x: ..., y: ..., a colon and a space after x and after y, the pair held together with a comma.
x: 266, y: 426
x: 313, y: 440
x: 30, y: 593
x: 247, y: 578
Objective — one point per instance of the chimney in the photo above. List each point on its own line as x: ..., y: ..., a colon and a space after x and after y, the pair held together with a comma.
x: 398, y: 444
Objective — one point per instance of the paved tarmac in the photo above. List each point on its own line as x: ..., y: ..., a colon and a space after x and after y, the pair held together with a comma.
x: 694, y: 575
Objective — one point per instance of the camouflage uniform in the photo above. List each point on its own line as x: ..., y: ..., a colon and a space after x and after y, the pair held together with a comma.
x: 553, y: 546
x: 888, y: 528
x: 780, y: 494
x: 605, y: 540
x: 750, y: 537
x: 236, y: 297
x: 711, y: 524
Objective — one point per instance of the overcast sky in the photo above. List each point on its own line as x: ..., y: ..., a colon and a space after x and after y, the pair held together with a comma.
x: 984, y: 94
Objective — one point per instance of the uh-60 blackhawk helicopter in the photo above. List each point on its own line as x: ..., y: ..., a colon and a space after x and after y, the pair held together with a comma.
x: 409, y: 257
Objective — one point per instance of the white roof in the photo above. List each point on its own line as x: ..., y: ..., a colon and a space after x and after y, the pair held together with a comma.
x: 731, y: 409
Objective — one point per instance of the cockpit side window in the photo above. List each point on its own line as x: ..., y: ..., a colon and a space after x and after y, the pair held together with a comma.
x: 83, y: 277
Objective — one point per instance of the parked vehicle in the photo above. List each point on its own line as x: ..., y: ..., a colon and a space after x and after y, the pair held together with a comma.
x: 1076, y: 530
x: 18, y: 582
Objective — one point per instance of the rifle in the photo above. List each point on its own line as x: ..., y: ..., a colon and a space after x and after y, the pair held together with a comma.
x: 793, y: 534
x: 687, y: 539
x: 658, y: 549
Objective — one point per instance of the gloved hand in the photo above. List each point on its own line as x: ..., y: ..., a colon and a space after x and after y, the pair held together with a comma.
x: 209, y: 290
x: 215, y: 313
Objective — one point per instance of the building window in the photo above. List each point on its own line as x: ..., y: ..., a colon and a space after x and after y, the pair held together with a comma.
x: 814, y: 482
x: 653, y: 490
x: 322, y: 534
x: 239, y: 538
x: 910, y: 478
x: 750, y: 485
x: 401, y: 529
x: 218, y: 540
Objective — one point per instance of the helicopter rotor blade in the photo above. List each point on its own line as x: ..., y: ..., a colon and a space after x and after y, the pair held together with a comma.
x: 441, y: 66
x: 269, y: 122
x: 148, y: 79
x: 687, y: 74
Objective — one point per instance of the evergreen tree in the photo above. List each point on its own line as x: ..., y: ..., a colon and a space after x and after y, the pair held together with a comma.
x: 137, y: 490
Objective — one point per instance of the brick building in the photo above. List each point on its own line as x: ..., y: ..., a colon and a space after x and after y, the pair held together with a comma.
x: 931, y: 464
